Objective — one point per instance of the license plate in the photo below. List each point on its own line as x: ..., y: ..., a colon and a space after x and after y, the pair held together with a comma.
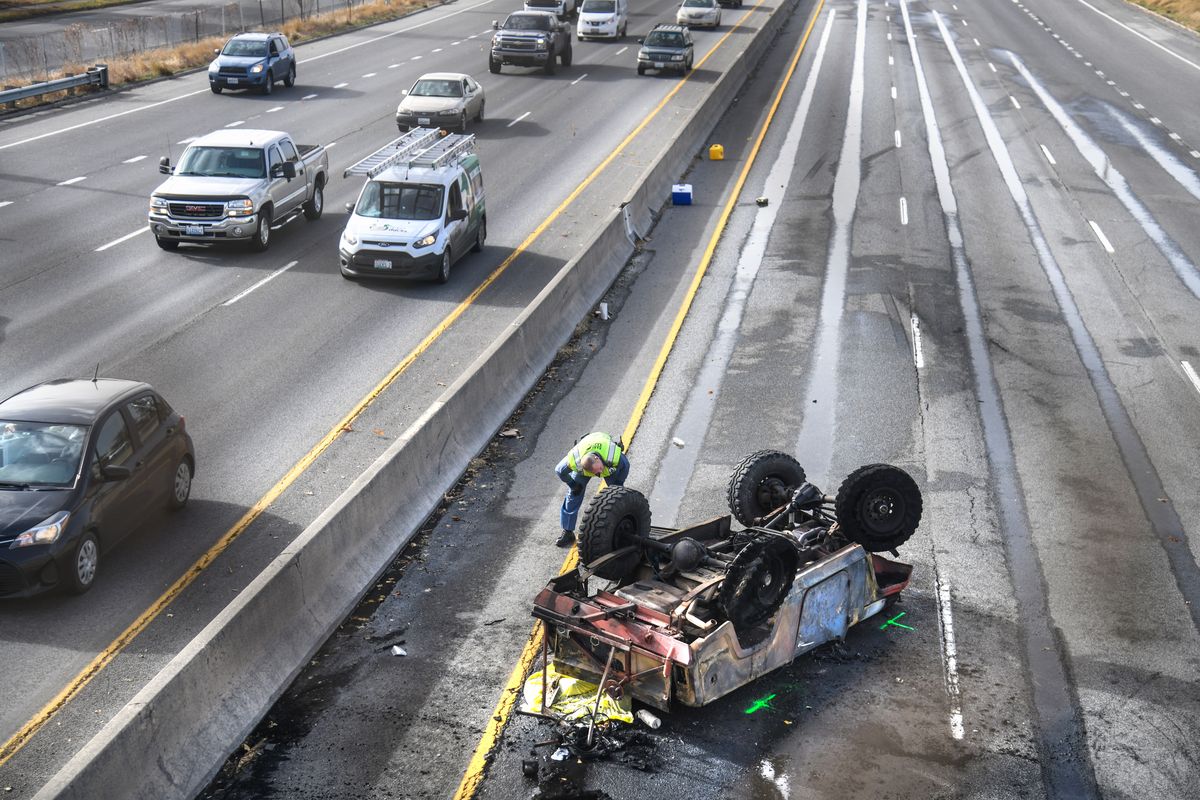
x: 422, y: 120
x: 232, y: 81
x: 382, y: 263
x: 194, y: 230
x: 658, y: 65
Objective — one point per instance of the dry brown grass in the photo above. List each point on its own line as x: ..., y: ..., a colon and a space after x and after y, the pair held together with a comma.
x: 1185, y: 12
x: 165, y: 61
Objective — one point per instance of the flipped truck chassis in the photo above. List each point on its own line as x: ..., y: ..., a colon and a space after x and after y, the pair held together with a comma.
x: 695, y: 613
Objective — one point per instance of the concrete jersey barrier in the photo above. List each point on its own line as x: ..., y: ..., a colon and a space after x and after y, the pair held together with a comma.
x: 173, y: 736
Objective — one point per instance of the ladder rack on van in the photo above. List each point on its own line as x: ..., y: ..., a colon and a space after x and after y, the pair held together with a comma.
x: 420, y: 147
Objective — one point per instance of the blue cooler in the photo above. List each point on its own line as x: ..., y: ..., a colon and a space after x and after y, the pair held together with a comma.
x: 681, y: 194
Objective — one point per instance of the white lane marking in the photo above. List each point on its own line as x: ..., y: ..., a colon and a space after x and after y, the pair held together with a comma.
x: 1155, y: 121
x: 891, y: 61
x: 69, y: 181
x: 1046, y: 152
x: 1139, y: 106
x: 308, y: 97
x: 272, y: 276
x: 622, y: 50
x: 431, y: 21
x: 903, y: 211
x: 370, y: 75
x: 1191, y: 373
x: 437, y: 50
x: 918, y: 349
x: 964, y: 23
x: 393, y: 66
x: 1174, y: 136
x: 991, y: 66
x: 236, y: 123
x: 949, y: 654
x: 340, y: 85
x: 485, y: 30
x: 577, y: 80
x: 976, y: 41
x: 1142, y: 36
x: 889, y: 36
x: 124, y: 238
x: 1195, y: 154
x: 1014, y: 101
x: 1100, y: 235
x: 518, y: 119
x: 188, y: 140
x: 273, y: 110
x: 897, y: 138
x: 473, y: 35
x: 893, y: 92
x: 454, y: 43
x: 415, y: 58
x: 4, y: 203
x: 133, y: 160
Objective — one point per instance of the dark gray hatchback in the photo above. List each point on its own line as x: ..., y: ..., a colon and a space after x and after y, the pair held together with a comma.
x: 82, y: 463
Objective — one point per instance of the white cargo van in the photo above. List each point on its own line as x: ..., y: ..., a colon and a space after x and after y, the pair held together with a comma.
x: 421, y: 209
x: 602, y: 19
x: 561, y: 8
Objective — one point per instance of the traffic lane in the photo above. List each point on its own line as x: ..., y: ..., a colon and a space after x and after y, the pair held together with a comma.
x: 1059, y: 436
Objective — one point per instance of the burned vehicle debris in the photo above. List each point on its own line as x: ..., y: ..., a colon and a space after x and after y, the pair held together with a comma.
x: 691, y: 614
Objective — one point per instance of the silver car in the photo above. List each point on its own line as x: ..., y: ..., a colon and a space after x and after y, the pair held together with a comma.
x: 441, y: 100
x: 699, y: 13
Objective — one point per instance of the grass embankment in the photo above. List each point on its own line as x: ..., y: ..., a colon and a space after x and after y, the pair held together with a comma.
x: 164, y: 61
x: 1185, y: 12
x: 13, y: 10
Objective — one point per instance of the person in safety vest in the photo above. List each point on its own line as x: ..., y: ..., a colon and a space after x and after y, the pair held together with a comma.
x: 596, y: 455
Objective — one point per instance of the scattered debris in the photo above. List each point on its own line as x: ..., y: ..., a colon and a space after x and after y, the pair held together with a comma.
x: 510, y: 433
x: 678, y: 442
x: 397, y: 650
x: 761, y: 201
x: 649, y: 720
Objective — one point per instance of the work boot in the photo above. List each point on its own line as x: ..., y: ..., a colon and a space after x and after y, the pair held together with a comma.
x: 566, y: 538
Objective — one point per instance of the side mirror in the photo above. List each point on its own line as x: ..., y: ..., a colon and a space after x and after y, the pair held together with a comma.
x: 641, y: 41
x: 350, y: 207
x: 216, y: 51
x: 289, y: 169
x: 495, y: 25
x: 457, y: 214
x: 404, y: 93
x: 115, y: 472
x: 164, y: 165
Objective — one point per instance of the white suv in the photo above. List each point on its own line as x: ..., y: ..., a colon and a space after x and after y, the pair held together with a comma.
x: 606, y: 19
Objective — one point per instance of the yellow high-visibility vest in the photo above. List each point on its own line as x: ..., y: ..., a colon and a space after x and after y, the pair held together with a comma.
x: 602, y: 445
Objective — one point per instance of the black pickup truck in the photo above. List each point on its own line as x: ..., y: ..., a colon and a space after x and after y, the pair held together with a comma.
x: 530, y: 39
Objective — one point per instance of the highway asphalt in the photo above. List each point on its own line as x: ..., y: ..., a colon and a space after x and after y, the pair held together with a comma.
x: 262, y: 376
x: 979, y: 266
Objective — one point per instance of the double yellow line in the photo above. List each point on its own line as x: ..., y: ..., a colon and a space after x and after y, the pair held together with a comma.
x: 477, y: 766
x: 76, y: 685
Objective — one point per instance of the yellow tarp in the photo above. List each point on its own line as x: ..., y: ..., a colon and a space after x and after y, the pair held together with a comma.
x: 572, y: 699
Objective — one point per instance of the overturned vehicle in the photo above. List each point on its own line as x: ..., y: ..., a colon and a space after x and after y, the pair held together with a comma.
x: 690, y: 615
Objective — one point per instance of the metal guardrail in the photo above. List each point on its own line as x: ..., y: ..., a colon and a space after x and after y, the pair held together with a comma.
x: 97, y: 75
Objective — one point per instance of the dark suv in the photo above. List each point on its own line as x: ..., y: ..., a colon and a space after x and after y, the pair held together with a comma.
x: 530, y: 39
x: 253, y: 61
x: 666, y: 47
x: 82, y: 462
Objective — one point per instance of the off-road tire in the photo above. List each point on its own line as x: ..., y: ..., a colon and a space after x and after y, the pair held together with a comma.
x: 761, y: 483
x: 167, y: 244
x: 314, y: 207
x: 758, y: 582
x: 878, y: 506
x: 480, y: 236
x: 85, y: 565
x: 181, y: 484
x: 612, y: 517
x: 290, y: 80
x: 262, y: 234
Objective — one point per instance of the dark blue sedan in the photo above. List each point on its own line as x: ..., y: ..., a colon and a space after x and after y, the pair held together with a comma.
x: 253, y: 61
x: 82, y: 463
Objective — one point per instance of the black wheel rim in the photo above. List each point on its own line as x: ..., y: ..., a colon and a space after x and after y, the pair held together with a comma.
x: 882, y: 510
x: 626, y: 530
x: 772, y: 492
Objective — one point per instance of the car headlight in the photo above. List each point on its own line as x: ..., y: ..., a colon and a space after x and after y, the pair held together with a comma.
x: 49, y: 530
x: 677, y: 58
x: 449, y: 112
x: 425, y: 241
x: 541, y: 43
x: 257, y: 68
x: 214, y: 67
x: 239, y: 208
x: 158, y: 204
x: 350, y: 239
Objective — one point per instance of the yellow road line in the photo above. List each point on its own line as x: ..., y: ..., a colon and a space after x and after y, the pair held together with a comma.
x: 22, y: 736
x: 474, y: 774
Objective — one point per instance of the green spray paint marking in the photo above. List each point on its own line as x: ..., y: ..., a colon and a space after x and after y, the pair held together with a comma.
x: 760, y: 704
x: 892, y: 621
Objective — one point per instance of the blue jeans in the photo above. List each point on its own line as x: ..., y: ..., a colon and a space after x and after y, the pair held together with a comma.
x: 576, y: 482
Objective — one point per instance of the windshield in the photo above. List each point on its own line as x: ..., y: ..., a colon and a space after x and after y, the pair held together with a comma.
x: 39, y: 453
x: 665, y: 39
x: 245, y: 47
x: 599, y: 6
x: 222, y: 162
x: 427, y: 87
x: 527, y: 22
x: 699, y: 3
x: 400, y: 201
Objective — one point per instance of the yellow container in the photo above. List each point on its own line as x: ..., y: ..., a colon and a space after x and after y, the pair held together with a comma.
x: 716, y: 152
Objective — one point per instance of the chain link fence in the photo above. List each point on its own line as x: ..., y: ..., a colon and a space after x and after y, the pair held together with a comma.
x: 35, y: 57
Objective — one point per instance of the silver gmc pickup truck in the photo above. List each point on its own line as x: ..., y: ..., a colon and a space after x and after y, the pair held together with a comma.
x: 237, y: 184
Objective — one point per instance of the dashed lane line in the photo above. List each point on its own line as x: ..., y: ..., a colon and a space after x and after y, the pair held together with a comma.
x: 124, y: 238
x: 273, y: 110
x: 1190, y: 371
x: 918, y: 349
x: 577, y: 80
x: 265, y: 280
x: 308, y: 97
x: 903, y: 211
x: 236, y: 123
x: 1046, y: 153
x: 341, y: 85
x: 4, y: 203
x: 518, y: 119
x: 1104, y: 242
x: 133, y: 160
x: 70, y: 181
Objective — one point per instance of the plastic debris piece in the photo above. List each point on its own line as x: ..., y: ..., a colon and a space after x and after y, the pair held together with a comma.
x: 649, y: 720
x: 510, y: 433
x: 560, y: 754
x: 678, y: 442
x: 397, y: 650
x: 761, y: 201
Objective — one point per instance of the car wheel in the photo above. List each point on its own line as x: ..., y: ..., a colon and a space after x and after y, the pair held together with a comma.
x: 566, y: 57
x: 269, y: 85
x: 462, y: 121
x: 479, y: 116
x: 878, y: 506
x: 443, y: 275
x: 757, y: 582
x: 314, y: 207
x: 641, y: 70
x: 166, y: 244
x: 262, y: 236
x: 290, y: 80
x: 549, y: 68
x: 85, y: 563
x: 616, y: 516
x: 761, y: 483
x: 494, y: 66
x: 181, y: 484
x: 480, y: 236
x: 215, y: 89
